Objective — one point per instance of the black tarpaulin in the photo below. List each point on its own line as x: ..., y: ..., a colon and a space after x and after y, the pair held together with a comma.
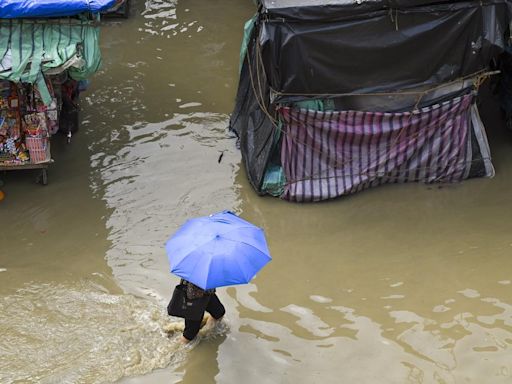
x: 332, y: 9
x: 251, y: 122
x: 312, y: 49
x: 381, y: 50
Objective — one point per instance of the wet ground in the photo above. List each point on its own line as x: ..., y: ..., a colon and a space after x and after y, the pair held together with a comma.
x: 398, y: 284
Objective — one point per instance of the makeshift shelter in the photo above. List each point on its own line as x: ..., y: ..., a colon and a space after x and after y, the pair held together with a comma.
x: 47, y: 48
x: 337, y: 96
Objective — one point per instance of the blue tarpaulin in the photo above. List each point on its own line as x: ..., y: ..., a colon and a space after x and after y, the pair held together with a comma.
x: 14, y: 9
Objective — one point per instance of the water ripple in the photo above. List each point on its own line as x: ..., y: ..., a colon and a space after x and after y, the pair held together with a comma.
x: 80, y: 334
x: 165, y: 173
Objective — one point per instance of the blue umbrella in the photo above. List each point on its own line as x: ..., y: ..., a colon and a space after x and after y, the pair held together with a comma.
x: 217, y: 250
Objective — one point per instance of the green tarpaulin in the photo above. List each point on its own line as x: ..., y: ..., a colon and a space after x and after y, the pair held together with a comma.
x: 248, y: 28
x: 31, y: 48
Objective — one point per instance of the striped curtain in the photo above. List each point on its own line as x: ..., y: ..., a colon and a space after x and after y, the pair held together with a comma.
x: 334, y: 153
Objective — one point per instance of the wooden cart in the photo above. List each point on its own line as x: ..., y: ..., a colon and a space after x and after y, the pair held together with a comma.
x: 42, y: 177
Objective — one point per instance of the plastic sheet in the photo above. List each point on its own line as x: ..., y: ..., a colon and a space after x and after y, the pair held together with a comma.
x: 12, y: 9
x: 29, y: 49
x: 330, y: 154
x: 309, y: 51
x: 308, y: 10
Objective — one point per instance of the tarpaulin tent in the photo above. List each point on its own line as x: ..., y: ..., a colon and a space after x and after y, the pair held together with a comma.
x: 365, y: 58
x: 13, y: 9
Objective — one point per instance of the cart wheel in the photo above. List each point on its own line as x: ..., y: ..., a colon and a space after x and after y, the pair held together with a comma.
x: 44, y: 177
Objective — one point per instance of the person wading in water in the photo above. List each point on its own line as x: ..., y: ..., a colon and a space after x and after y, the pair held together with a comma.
x: 214, y: 308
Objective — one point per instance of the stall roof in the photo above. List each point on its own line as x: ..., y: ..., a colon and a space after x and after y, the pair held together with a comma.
x: 303, y: 11
x: 274, y: 5
x: 347, y: 50
x: 14, y: 9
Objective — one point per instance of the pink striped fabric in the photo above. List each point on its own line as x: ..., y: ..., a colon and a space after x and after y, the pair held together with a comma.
x: 334, y: 153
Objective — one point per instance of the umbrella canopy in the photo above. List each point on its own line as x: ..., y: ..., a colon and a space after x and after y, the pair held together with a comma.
x: 217, y: 250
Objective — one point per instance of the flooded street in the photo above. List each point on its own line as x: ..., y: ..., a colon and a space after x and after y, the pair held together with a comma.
x: 398, y: 284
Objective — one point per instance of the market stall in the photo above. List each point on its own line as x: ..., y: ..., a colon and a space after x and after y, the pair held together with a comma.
x: 25, y: 128
x: 47, y: 51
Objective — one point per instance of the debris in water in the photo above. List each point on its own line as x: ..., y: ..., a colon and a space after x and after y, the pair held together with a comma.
x: 221, y: 155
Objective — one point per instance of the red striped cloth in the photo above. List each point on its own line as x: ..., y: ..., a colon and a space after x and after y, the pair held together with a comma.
x: 334, y: 153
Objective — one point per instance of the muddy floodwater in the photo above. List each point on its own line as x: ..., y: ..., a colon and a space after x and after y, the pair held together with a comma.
x: 397, y: 284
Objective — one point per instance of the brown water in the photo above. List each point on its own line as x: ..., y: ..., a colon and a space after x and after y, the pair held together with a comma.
x: 399, y: 284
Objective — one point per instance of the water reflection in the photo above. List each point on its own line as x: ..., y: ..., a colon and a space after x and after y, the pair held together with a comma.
x: 352, y: 296
x: 161, y: 154
x: 162, y: 19
x: 400, y: 347
x: 164, y: 174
